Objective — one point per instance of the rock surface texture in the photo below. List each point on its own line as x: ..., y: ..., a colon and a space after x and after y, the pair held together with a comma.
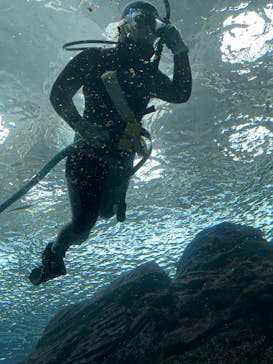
x: 217, y: 309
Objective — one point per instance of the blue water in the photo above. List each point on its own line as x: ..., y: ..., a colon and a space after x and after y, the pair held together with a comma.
x: 212, y: 158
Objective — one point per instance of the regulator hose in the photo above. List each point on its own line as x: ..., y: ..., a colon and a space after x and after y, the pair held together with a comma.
x: 40, y: 175
x: 160, y: 45
x: 67, y: 46
x: 168, y: 9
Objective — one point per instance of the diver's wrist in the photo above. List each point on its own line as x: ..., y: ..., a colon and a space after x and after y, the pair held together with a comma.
x: 181, y: 51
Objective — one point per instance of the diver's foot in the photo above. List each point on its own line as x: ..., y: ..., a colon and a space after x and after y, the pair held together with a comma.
x: 52, y: 267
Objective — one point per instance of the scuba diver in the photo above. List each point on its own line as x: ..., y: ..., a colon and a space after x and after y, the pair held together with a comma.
x: 117, y: 84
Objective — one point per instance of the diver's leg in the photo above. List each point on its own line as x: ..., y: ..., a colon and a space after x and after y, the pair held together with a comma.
x: 84, y: 191
x: 84, y: 173
x: 76, y: 231
x: 84, y: 181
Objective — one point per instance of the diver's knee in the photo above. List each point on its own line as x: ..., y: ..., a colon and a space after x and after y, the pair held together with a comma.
x: 82, y: 227
x: 82, y: 232
x: 81, y: 238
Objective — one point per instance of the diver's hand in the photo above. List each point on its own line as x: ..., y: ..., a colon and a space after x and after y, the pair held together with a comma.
x: 172, y: 38
x: 95, y: 135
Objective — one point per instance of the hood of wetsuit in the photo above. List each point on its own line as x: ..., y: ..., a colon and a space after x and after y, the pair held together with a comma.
x: 145, y: 7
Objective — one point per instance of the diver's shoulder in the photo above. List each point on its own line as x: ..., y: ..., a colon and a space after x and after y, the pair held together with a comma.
x: 108, y: 52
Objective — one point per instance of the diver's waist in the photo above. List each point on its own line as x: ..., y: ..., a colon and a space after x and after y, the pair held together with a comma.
x: 109, y: 148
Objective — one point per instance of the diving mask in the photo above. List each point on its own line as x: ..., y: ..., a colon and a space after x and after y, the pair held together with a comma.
x: 153, y: 20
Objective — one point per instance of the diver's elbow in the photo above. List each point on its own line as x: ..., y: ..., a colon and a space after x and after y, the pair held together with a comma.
x: 186, y: 97
x: 182, y: 98
x: 186, y: 94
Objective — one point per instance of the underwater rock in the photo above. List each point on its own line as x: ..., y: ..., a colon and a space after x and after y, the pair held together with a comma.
x: 217, y: 309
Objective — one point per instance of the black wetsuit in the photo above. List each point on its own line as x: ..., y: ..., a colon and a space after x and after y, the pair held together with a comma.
x: 92, y: 192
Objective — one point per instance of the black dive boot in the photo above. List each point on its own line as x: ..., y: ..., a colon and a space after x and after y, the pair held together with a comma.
x: 52, y: 267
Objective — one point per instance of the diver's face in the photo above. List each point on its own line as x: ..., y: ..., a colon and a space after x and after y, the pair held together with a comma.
x: 141, y: 27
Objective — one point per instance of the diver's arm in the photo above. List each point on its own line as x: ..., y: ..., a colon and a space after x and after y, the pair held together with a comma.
x: 178, y: 89
x: 68, y: 83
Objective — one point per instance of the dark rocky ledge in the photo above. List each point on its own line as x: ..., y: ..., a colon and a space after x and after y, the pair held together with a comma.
x: 217, y: 309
